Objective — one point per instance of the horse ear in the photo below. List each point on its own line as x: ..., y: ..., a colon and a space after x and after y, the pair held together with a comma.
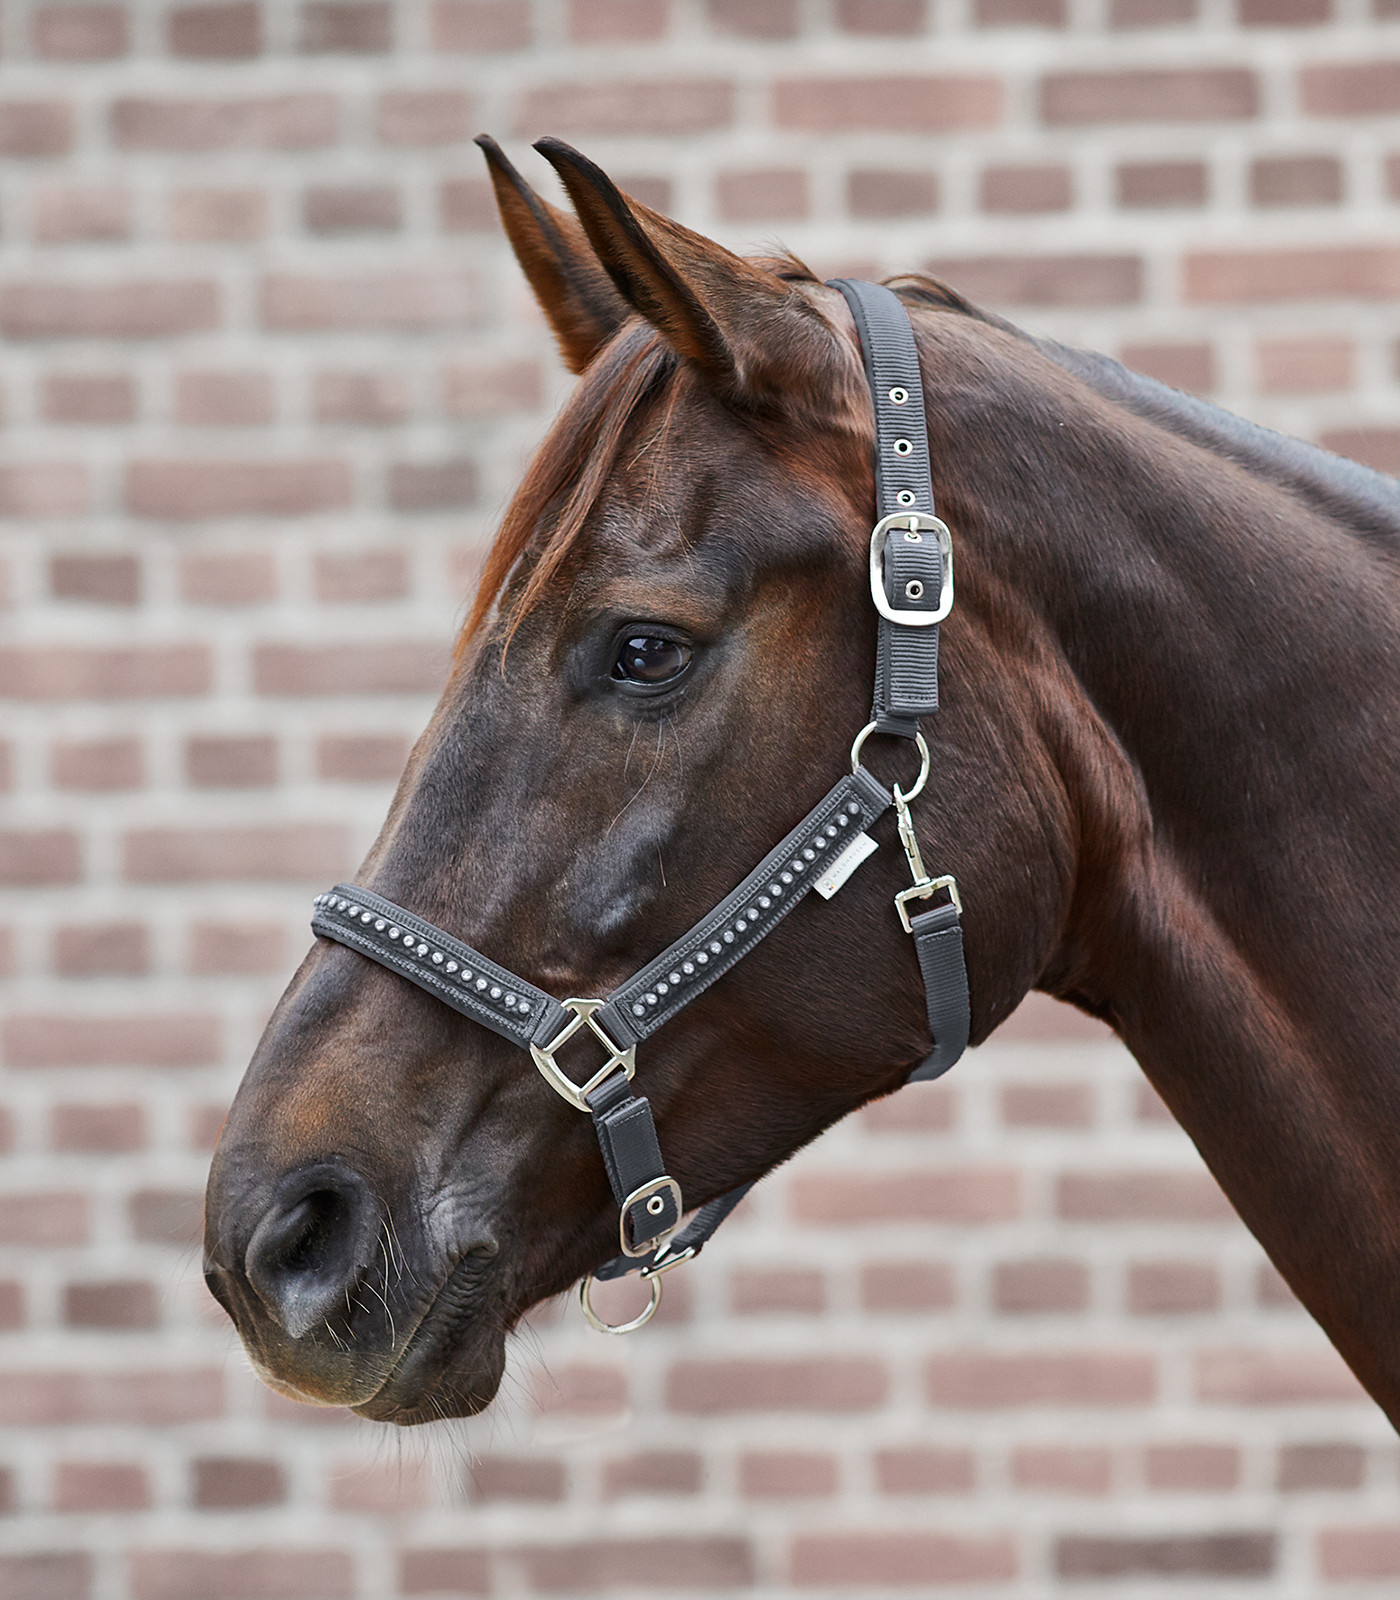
x: 574, y: 292
x: 712, y: 306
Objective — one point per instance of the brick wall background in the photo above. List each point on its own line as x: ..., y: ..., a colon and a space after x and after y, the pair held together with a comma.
x: 270, y: 374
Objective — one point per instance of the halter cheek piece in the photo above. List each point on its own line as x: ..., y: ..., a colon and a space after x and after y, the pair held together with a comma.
x: 911, y: 584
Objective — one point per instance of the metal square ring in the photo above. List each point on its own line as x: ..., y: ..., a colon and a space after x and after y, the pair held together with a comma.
x: 577, y: 1093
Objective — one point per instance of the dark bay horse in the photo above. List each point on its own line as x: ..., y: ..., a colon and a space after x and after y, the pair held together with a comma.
x: 1166, y: 774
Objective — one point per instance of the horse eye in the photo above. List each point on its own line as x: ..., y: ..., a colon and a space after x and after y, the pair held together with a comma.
x: 644, y: 660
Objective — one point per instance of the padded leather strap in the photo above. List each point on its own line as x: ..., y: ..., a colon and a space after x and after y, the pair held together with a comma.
x: 693, y: 1237
x: 632, y: 1156
x: 906, y: 668
x: 939, y: 944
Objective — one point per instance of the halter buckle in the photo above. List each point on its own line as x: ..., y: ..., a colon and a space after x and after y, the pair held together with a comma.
x: 916, y: 523
x: 577, y: 1093
x: 657, y: 1242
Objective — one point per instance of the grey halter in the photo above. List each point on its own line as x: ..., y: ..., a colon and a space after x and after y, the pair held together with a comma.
x: 911, y: 585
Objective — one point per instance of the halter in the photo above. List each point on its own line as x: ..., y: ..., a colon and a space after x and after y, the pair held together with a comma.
x: 911, y: 584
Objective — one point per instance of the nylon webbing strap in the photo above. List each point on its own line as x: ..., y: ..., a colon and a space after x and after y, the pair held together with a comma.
x: 448, y: 969
x: 939, y: 944
x: 906, y: 668
x: 692, y: 1238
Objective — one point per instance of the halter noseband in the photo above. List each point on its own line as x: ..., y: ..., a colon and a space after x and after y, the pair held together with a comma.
x: 911, y: 584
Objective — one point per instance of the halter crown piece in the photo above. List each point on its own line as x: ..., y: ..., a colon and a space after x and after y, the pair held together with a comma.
x: 911, y: 584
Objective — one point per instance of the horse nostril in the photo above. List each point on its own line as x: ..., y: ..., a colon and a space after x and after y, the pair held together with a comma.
x: 312, y: 1247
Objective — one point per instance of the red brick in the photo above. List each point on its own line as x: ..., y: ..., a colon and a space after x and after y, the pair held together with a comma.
x: 778, y: 1289
x: 1058, y: 280
x: 1209, y: 94
x: 671, y: 106
x: 62, y: 214
x: 787, y: 1475
x: 1166, y: 1288
x: 1305, y: 366
x: 391, y: 301
x: 384, y: 667
x: 891, y: 18
x: 1353, y: 89
x: 878, y: 192
x: 1021, y: 13
x: 432, y: 485
x: 354, y: 577
x: 444, y: 1572
x: 1211, y: 1555
x: 238, y: 578
x: 1192, y: 1467
x: 285, y: 1574
x: 223, y: 399
x: 229, y: 1483
x: 754, y: 19
x: 1373, y: 447
x: 1304, y: 1467
x: 79, y: 32
x: 379, y: 398
x: 1150, y: 13
x: 487, y: 389
x: 98, y: 1129
x: 1161, y: 183
x: 779, y: 194
x: 105, y: 580
x: 653, y: 1472
x: 1283, y: 13
x: 491, y: 1478
x: 481, y: 25
x: 1041, y: 1019
x: 978, y: 1380
x: 101, y: 1486
x: 888, y: 105
x: 468, y: 205
x: 11, y: 1317
x: 7, y: 1130
x: 949, y: 1194
x: 62, y: 1575
x: 295, y: 853
x: 44, y: 489
x: 273, y: 122
x: 580, y: 1389
x: 917, y: 1108
x: 88, y: 397
x: 40, y: 856
x: 907, y: 1286
x: 1141, y: 1196
x: 222, y: 948
x: 378, y: 1487
x: 1295, y: 181
x: 1025, y: 189
x: 818, y: 1383
x: 119, y: 949
x: 1047, y: 1105
x: 361, y: 758
x: 1364, y: 272
x: 1062, y: 1469
x: 99, y: 764
x: 224, y: 763
x: 923, y: 1471
x: 619, y: 21
x: 1358, y: 1553
x: 231, y: 215
x: 188, y: 490
x: 139, y: 309
x: 1035, y: 1286
x: 673, y: 1562
x: 354, y: 208
x: 229, y: 31
x: 878, y: 1560
x: 173, y: 1039
x: 47, y: 1220
x: 127, y: 1304
x: 347, y: 27
x: 35, y: 128
x: 1263, y: 1377
x: 423, y: 117
x: 1190, y: 367
x: 167, y: 1216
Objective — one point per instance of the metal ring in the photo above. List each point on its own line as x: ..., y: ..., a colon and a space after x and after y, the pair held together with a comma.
x: 924, y: 761
x: 595, y: 1321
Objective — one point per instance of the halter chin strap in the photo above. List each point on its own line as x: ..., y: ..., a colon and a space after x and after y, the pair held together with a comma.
x: 911, y: 584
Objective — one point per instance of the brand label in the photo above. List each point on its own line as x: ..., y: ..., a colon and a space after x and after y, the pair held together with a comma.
x: 845, y: 864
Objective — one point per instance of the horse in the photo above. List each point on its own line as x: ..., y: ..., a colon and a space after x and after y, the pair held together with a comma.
x: 1163, y: 772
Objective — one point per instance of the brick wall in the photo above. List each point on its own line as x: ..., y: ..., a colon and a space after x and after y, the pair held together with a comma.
x: 270, y: 375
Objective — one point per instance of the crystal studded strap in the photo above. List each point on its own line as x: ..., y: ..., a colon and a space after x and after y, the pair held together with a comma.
x: 689, y: 966
x: 446, y: 968
x: 906, y: 670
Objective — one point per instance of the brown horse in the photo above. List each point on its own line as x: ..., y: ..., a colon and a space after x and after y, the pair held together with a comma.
x: 1164, y: 774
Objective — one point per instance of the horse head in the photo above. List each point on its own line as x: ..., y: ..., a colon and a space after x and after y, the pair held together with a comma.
x: 670, y: 653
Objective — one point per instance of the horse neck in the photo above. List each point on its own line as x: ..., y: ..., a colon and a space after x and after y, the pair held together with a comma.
x: 1229, y: 614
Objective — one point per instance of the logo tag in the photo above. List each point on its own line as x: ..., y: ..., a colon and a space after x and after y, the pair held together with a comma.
x: 844, y: 865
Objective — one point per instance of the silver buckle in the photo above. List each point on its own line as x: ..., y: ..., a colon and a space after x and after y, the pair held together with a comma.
x: 915, y: 524
x: 922, y: 891
x: 576, y: 1093
x: 658, y: 1241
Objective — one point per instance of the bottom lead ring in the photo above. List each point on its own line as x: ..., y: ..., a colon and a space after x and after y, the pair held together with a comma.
x: 595, y: 1321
